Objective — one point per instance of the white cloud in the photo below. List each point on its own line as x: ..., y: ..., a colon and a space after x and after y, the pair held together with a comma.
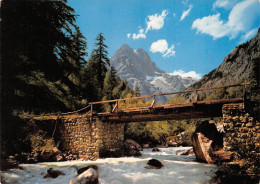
x: 181, y: 73
x: 152, y: 22
x: 211, y: 25
x: 227, y: 4
x: 240, y: 19
x: 186, y: 13
x: 156, y: 21
x: 139, y: 35
x: 169, y: 52
x: 161, y: 46
x: 248, y: 35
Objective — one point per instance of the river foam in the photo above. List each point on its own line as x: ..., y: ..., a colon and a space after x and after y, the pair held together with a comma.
x: 125, y: 170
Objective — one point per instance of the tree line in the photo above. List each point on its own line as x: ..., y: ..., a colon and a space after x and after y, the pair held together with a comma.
x: 45, y: 66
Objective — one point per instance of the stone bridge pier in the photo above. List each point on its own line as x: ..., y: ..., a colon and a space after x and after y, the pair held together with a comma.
x: 89, y: 138
x: 242, y: 131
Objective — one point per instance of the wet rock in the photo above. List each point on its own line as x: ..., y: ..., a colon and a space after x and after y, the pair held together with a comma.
x: 184, y: 139
x: 45, y: 156
x: 129, y: 148
x: 188, y: 152
x: 155, y: 150
x: 53, y: 173
x: 132, y: 148
x: 55, y: 155
x: 83, y: 169
x: 31, y: 160
x: 21, y: 158
x: 11, y: 157
x: 58, y: 158
x: 172, y: 141
x: 146, y: 146
x: 5, y: 164
x: 154, y: 164
x: 89, y: 176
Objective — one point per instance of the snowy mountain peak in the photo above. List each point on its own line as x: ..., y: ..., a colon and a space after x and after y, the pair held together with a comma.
x: 136, y: 67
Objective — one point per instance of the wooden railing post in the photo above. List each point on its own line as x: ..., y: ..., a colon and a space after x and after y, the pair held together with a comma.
x: 195, y: 97
x: 117, y: 106
x: 153, y: 103
x: 244, y: 93
x: 91, y: 109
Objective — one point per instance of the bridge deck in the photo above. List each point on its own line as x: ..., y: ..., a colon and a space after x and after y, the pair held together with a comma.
x: 202, y: 109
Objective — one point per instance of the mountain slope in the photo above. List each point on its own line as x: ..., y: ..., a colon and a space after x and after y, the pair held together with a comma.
x: 136, y: 67
x: 237, y: 66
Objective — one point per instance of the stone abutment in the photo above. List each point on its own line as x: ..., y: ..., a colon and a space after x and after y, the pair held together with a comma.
x: 242, y: 131
x: 89, y: 138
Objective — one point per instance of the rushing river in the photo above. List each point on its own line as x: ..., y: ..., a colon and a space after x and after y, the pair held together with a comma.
x: 125, y: 170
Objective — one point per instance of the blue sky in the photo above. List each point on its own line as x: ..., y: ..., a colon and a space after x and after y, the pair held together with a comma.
x: 184, y: 37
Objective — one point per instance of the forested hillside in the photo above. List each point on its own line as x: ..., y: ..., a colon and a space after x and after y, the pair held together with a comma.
x: 45, y: 66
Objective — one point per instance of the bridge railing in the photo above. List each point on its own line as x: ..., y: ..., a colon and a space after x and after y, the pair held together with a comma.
x: 194, y: 100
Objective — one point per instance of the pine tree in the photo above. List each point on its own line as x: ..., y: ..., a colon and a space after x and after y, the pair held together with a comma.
x: 100, y: 57
x: 110, y: 83
x: 92, y: 90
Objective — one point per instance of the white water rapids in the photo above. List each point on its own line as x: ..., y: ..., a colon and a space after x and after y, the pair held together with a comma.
x: 125, y: 170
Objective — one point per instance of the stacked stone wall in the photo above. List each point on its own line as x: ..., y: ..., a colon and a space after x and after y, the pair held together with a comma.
x: 88, y: 138
x: 242, y: 131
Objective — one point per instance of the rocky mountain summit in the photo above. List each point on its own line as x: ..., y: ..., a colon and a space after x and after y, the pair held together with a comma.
x: 237, y: 67
x: 136, y: 67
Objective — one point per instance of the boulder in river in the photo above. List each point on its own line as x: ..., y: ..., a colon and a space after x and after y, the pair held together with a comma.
x: 187, y: 152
x: 129, y: 148
x: 155, y: 150
x: 89, y: 176
x: 154, y: 164
x: 53, y: 173
x: 146, y: 145
x: 132, y: 148
x: 172, y: 141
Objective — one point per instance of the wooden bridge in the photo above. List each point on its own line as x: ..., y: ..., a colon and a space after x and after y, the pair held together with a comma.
x: 90, y: 132
x: 189, y: 110
x: 192, y: 109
